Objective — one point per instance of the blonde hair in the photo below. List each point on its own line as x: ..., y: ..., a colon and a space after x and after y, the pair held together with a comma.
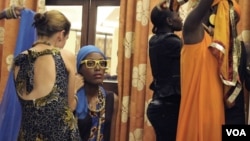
x: 51, y: 22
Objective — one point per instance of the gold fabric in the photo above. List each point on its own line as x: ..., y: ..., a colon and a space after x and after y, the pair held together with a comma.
x: 227, y: 56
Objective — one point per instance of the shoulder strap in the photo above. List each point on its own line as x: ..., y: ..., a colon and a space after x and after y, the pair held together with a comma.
x: 34, y: 54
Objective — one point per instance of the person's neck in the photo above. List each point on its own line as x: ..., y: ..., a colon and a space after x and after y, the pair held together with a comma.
x: 45, y: 40
x: 91, y: 90
x: 165, y: 30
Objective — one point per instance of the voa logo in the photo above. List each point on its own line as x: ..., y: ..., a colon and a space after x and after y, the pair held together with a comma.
x: 236, y: 132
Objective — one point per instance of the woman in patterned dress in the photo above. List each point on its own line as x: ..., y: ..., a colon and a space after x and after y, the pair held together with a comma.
x: 44, y: 76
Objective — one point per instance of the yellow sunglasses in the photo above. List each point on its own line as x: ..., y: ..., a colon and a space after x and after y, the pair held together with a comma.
x: 93, y: 63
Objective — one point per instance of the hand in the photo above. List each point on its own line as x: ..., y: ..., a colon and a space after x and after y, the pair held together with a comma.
x: 18, y: 10
x: 13, y: 12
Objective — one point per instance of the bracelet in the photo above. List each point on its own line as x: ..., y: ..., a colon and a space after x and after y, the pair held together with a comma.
x: 76, y: 98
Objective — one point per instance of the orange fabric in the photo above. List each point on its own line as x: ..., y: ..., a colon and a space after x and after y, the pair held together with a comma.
x: 216, y: 2
x: 202, y: 109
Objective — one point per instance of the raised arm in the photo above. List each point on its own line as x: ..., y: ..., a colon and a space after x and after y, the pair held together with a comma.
x: 193, y: 30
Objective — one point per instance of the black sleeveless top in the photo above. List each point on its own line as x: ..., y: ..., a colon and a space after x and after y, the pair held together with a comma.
x: 85, y: 124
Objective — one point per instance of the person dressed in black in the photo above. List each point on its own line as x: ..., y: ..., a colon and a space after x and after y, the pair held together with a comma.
x: 164, y: 54
x: 236, y: 113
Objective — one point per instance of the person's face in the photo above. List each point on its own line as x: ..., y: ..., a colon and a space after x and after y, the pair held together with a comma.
x: 177, y: 22
x: 93, y: 68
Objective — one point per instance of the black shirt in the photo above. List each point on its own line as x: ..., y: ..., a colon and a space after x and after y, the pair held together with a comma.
x: 164, y: 55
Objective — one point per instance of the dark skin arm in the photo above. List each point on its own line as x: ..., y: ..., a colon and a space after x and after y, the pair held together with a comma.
x: 193, y: 30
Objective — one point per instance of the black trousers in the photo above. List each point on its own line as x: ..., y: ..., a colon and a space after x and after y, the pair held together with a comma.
x: 236, y: 114
x: 163, y: 115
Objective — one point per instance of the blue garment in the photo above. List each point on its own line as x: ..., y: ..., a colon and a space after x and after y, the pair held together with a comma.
x: 10, y: 108
x: 82, y: 104
x: 82, y: 107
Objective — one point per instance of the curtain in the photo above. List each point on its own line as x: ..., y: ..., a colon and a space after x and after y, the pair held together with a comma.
x: 134, y: 74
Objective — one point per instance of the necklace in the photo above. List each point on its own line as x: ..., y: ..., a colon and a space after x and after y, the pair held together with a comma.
x: 100, y: 104
x: 41, y: 42
x: 98, y: 115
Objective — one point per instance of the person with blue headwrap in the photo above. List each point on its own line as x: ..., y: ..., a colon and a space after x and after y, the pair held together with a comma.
x: 96, y: 108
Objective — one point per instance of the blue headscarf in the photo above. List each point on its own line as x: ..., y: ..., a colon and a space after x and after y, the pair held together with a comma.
x: 82, y: 104
x: 84, y: 51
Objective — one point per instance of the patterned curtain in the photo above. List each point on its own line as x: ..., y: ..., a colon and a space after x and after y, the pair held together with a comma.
x: 134, y: 74
x: 8, y: 35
